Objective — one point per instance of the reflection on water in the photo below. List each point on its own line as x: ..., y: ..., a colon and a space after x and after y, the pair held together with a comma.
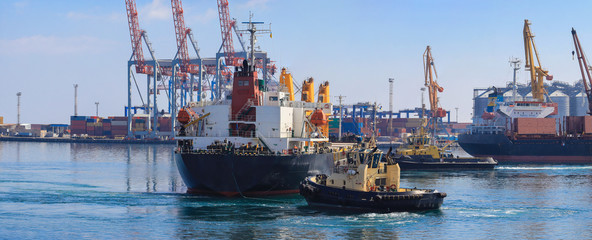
x: 98, y: 191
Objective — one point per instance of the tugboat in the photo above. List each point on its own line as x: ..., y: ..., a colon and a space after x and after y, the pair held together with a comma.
x: 421, y: 153
x: 368, y: 181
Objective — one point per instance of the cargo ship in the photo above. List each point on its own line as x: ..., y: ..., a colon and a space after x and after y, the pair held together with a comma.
x: 526, y: 131
x: 256, y: 142
x: 519, y: 147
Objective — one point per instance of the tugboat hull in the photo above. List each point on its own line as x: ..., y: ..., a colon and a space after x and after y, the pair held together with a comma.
x: 234, y: 175
x: 318, y: 195
x: 420, y: 162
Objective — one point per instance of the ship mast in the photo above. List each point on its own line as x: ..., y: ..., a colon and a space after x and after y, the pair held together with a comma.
x: 252, y: 30
x: 515, y: 63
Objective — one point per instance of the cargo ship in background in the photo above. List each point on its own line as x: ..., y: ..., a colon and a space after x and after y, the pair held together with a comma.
x: 524, y: 131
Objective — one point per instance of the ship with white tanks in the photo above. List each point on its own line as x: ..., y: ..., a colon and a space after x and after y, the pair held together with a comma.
x: 255, y: 141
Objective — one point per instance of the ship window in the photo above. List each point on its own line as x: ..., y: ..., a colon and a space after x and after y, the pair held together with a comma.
x: 332, y: 181
x: 273, y: 98
x: 380, y: 182
x: 343, y: 182
x: 246, y: 83
x: 375, y: 160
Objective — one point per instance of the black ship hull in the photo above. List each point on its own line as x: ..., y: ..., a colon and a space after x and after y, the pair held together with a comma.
x: 232, y: 175
x: 430, y: 163
x: 322, y: 196
x: 541, y: 149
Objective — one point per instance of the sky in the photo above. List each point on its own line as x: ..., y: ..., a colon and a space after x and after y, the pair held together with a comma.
x: 47, y: 46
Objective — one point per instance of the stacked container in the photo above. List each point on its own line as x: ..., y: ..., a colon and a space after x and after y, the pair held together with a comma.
x: 107, y: 127
x: 78, y: 125
x: 164, y: 124
x: 118, y: 126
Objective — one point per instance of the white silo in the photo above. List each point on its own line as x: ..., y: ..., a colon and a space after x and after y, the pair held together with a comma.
x: 562, y: 101
x: 479, y: 106
x: 579, y: 105
x: 509, y: 96
x: 528, y: 97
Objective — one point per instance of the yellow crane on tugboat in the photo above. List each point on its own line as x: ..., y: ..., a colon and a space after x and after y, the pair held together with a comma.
x: 421, y: 151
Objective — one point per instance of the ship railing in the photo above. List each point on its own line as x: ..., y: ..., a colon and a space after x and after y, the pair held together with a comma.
x: 241, y: 133
x: 340, y: 169
x: 244, y: 118
x: 487, y: 129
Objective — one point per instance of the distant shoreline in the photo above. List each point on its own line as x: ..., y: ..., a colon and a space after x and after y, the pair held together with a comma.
x: 83, y: 140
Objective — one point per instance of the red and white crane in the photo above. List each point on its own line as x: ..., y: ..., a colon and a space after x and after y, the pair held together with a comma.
x: 182, y: 33
x: 226, y: 27
x: 136, y: 37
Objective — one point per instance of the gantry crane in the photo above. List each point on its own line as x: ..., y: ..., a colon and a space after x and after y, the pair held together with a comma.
x: 154, y: 70
x: 584, y: 69
x: 187, y: 66
x: 536, y: 72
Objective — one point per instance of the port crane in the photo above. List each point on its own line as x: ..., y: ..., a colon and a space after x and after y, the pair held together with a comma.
x: 584, y: 69
x: 537, y: 74
x: 431, y: 84
x: 226, y: 27
x: 152, y: 68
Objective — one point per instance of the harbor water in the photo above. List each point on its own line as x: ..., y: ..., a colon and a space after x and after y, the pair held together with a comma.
x: 108, y: 191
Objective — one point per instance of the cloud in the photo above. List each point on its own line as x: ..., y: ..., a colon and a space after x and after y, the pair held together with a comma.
x: 21, y: 4
x: 254, y: 4
x: 156, y: 10
x: 205, y: 18
x: 52, y: 45
x: 113, y: 17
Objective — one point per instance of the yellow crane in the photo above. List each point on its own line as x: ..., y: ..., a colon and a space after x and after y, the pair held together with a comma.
x: 536, y: 71
x: 432, y: 85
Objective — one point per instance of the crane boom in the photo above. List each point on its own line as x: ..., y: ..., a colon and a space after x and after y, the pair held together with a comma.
x: 584, y: 68
x: 136, y: 38
x: 536, y: 71
x: 430, y: 82
x: 226, y: 26
x: 182, y: 32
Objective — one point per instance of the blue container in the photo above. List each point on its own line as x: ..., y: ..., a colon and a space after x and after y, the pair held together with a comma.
x: 78, y: 118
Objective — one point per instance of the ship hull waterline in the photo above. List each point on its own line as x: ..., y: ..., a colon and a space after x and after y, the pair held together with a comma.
x: 533, y: 151
x: 235, y: 175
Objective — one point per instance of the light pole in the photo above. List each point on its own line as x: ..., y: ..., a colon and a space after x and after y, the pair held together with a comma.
x: 97, y: 103
x: 340, y: 97
x: 18, y: 109
x: 422, y: 105
x: 390, y: 124
x: 456, y: 114
x: 75, y: 99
